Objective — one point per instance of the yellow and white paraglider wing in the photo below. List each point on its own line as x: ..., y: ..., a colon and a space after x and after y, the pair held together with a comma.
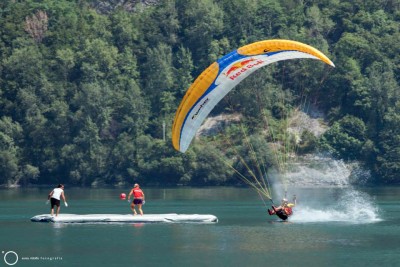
x: 223, y: 75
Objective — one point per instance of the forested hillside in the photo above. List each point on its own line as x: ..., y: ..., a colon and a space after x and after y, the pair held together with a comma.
x: 86, y: 86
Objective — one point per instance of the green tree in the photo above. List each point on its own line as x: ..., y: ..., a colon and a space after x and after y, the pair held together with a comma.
x: 124, y: 30
x: 202, y: 22
x: 184, y: 68
x: 389, y: 156
x: 346, y: 138
x: 159, y: 74
x: 10, y: 137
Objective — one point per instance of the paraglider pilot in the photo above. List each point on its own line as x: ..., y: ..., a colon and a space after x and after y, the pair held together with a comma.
x: 284, y: 210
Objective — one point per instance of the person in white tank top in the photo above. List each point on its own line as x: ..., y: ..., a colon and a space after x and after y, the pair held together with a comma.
x: 55, y: 197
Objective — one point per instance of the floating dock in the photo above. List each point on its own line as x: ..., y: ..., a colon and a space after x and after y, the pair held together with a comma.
x: 126, y: 218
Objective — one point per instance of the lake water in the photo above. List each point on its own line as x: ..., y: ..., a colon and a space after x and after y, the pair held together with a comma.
x: 330, y: 227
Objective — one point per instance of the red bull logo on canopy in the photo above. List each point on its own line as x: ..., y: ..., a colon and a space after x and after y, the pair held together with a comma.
x: 240, y: 67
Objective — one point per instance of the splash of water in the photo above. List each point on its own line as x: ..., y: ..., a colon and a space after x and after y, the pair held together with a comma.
x: 351, y: 206
x: 340, y: 202
x: 315, y: 170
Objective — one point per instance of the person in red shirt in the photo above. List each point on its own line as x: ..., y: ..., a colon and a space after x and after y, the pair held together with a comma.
x: 284, y: 210
x: 138, y: 199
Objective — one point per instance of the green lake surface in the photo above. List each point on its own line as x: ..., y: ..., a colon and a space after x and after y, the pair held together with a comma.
x: 330, y: 227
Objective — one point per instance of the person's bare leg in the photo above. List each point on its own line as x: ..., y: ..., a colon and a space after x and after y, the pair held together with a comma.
x: 140, y: 209
x: 277, y: 208
x: 133, y: 209
x: 52, y: 212
x: 271, y: 212
x: 58, y: 210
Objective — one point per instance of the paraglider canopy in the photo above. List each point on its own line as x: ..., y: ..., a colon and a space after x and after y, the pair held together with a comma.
x: 223, y: 75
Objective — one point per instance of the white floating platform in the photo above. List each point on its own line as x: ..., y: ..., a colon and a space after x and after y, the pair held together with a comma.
x: 126, y: 218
